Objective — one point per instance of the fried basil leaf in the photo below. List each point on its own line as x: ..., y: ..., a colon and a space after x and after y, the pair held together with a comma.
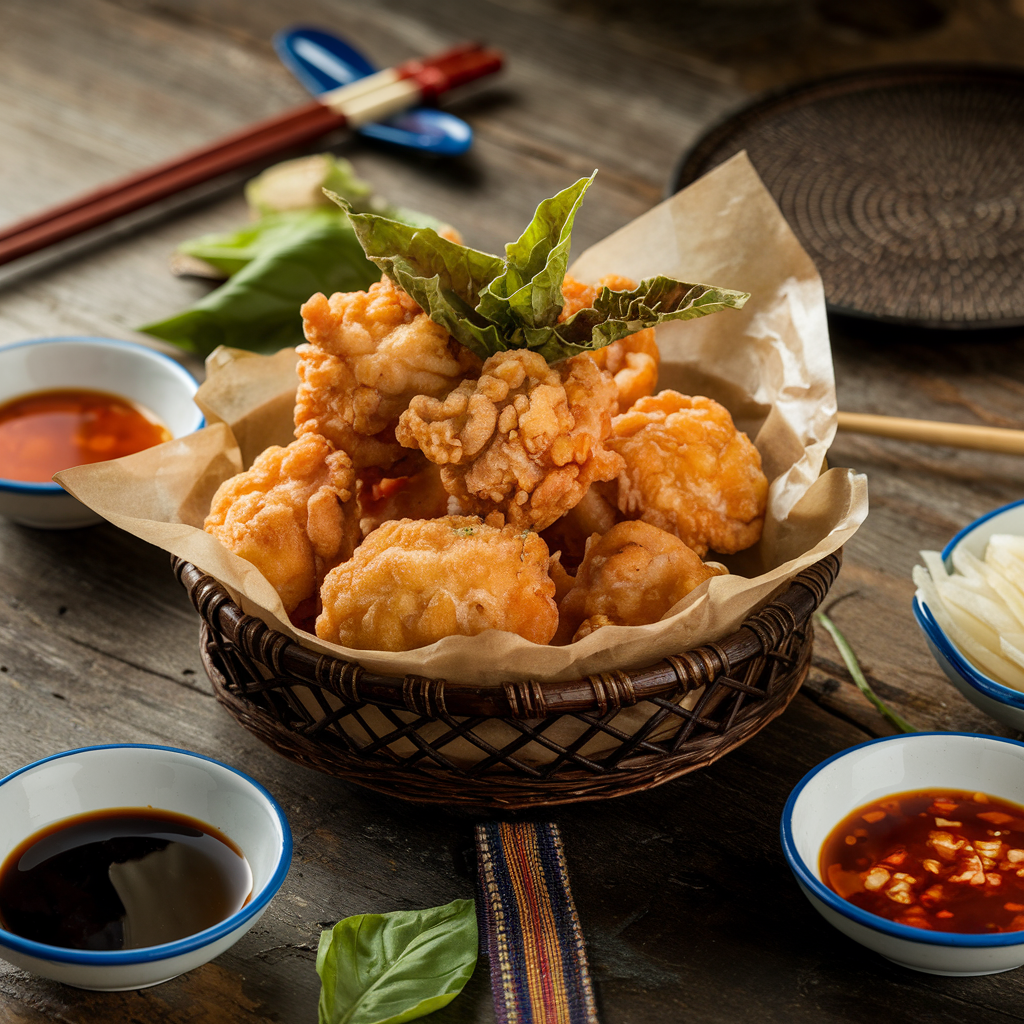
x: 617, y: 314
x: 490, y: 304
x: 529, y: 293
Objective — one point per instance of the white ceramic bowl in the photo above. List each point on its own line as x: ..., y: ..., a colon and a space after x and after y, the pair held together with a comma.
x: 99, y: 364
x: 1001, y: 702
x: 128, y: 775
x: 880, y: 768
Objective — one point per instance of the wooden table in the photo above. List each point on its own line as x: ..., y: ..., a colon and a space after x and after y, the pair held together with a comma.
x: 687, y: 905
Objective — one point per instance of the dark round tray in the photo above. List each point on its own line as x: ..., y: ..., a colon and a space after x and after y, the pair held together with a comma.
x: 904, y: 184
x: 462, y: 744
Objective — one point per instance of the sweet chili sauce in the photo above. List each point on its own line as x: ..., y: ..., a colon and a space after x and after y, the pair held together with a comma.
x: 938, y: 859
x: 47, y: 431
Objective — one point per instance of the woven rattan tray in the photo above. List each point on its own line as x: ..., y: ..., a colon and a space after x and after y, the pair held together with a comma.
x: 506, y: 746
x: 905, y: 185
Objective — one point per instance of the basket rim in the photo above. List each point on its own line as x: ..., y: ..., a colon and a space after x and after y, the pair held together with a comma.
x: 758, y: 635
x: 502, y: 789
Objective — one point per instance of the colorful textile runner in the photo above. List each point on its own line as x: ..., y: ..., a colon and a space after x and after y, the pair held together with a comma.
x: 539, y: 972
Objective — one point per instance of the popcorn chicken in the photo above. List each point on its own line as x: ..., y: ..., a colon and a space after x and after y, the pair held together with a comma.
x: 631, y: 576
x: 524, y: 439
x: 689, y: 471
x: 368, y: 354
x: 413, y: 582
x: 291, y: 515
x: 569, y: 535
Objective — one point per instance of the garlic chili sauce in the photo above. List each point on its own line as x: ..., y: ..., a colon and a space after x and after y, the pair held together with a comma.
x: 47, y: 431
x: 939, y: 859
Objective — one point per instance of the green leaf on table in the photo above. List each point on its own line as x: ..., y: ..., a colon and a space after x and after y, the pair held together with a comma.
x: 490, y: 304
x: 300, y: 244
x: 299, y: 185
x: 232, y: 251
x: 389, y: 968
x: 258, y: 307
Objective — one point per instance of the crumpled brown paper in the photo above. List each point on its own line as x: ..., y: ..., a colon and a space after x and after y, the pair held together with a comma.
x: 769, y: 364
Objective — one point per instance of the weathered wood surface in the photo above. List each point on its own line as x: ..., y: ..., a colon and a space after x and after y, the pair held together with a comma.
x: 687, y: 906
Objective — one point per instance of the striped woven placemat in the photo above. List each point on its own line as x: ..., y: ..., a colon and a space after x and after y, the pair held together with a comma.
x: 539, y: 972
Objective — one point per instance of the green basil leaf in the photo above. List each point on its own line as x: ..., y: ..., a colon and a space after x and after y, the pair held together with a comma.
x: 300, y: 243
x: 258, y: 308
x: 298, y: 185
x: 231, y: 251
x: 491, y: 304
x: 389, y: 968
x: 284, y: 200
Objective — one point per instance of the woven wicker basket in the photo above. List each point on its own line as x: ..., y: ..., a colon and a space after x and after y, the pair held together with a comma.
x: 409, y: 737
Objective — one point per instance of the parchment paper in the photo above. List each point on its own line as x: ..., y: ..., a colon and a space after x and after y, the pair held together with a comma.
x: 769, y: 364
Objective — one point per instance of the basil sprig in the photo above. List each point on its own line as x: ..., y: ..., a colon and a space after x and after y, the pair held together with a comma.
x: 276, y: 267
x: 389, y: 968
x: 299, y: 244
x: 491, y: 304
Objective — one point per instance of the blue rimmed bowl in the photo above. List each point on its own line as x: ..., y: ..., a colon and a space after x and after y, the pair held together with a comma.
x: 134, y: 775
x: 1001, y: 702
x: 123, y: 368
x: 873, y: 771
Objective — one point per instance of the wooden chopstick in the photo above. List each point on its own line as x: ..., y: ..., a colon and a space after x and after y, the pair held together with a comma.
x: 257, y: 142
x: 955, y: 435
x: 391, y: 91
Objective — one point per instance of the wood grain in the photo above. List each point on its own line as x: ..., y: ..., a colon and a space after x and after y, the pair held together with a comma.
x: 686, y: 903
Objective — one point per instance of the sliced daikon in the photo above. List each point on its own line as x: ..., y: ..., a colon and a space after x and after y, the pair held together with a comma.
x: 1012, y: 647
x: 988, y: 660
x: 992, y: 616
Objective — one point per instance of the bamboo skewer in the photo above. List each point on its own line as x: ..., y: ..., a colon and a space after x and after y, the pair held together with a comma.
x: 956, y: 435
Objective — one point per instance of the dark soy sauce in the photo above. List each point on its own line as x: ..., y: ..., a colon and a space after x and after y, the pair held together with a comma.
x: 122, y: 879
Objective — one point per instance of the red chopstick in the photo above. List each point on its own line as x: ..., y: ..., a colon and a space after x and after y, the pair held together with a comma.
x: 355, y: 104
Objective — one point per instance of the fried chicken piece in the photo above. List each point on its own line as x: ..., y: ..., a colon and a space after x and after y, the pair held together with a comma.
x: 632, y: 361
x: 413, y: 582
x: 691, y: 472
x: 631, y: 576
x: 367, y: 354
x: 524, y: 439
x: 569, y: 535
x: 382, y: 499
x: 560, y: 577
x: 291, y: 515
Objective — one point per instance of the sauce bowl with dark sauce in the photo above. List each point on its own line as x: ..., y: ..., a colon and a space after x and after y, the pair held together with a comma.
x: 124, y: 866
x: 911, y: 844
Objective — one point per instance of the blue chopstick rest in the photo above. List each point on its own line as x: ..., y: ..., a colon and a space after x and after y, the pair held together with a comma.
x: 322, y: 61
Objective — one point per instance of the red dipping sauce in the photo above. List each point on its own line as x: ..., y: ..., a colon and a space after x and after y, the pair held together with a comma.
x: 937, y: 859
x: 47, y: 431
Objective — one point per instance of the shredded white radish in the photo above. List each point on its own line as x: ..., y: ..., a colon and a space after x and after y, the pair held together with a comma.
x: 980, y: 605
x: 993, y: 616
x: 1013, y: 647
